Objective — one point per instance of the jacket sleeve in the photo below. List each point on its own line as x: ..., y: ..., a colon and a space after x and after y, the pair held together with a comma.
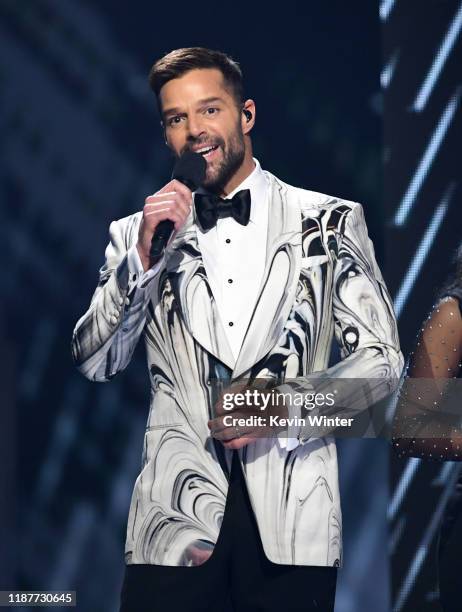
x: 105, y: 337
x: 365, y: 329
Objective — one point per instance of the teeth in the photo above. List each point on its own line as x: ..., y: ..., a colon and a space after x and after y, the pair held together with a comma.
x: 205, y: 150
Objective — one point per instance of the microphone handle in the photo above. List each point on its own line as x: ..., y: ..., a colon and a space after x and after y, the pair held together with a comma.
x: 160, y: 238
x: 165, y: 228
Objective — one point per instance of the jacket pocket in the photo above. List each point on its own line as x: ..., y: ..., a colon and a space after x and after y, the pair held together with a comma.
x: 163, y: 426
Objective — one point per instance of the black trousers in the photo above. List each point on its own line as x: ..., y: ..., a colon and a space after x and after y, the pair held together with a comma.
x: 238, y: 576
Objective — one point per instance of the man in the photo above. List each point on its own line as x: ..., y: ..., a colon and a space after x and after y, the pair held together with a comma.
x: 260, y: 293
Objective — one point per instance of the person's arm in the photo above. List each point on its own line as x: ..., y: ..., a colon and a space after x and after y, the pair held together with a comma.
x: 365, y: 329
x: 427, y: 422
x: 105, y: 337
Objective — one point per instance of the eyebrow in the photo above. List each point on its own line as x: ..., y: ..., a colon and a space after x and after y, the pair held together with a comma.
x: 175, y: 110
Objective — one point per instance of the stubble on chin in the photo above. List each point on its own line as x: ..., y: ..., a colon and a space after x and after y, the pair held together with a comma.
x: 213, y: 177
x: 229, y: 165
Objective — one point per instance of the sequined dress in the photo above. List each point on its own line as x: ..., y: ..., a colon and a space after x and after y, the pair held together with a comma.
x: 428, y: 418
x: 428, y: 425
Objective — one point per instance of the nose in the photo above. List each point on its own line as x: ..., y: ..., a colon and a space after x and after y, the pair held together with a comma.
x: 195, y: 127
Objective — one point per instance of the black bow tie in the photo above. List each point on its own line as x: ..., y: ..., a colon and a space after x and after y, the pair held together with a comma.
x: 210, y: 208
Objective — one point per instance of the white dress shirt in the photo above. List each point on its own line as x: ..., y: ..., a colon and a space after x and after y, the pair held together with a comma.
x: 234, y: 258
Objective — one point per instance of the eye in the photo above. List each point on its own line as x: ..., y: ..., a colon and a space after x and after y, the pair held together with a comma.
x: 175, y: 120
x: 211, y: 110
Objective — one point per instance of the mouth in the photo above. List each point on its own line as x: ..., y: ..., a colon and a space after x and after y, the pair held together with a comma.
x: 207, y: 152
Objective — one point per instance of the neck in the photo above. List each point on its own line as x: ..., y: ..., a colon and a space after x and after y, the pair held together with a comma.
x: 245, y: 169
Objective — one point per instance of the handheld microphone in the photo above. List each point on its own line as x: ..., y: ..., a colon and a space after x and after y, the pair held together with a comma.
x: 190, y: 170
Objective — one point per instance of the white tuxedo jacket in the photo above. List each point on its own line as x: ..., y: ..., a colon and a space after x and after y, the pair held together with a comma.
x: 320, y: 279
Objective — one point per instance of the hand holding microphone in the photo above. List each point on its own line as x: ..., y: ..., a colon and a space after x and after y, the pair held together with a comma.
x: 168, y: 209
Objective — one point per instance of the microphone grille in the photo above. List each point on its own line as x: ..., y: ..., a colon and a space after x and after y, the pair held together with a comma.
x: 190, y: 169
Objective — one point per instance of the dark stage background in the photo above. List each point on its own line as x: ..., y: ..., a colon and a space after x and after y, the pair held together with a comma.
x: 422, y: 88
x: 81, y: 146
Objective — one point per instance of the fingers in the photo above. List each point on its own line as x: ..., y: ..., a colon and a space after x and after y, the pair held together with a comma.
x: 229, y: 391
x: 174, y: 191
x: 238, y: 443
x: 165, y: 211
x: 230, y: 435
x: 220, y: 431
x: 172, y: 202
x: 177, y: 187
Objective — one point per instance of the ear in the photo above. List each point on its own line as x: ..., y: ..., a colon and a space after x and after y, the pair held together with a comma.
x: 248, y: 117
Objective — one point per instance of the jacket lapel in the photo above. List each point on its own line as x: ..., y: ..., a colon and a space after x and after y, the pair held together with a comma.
x: 282, y: 270
x: 194, y: 297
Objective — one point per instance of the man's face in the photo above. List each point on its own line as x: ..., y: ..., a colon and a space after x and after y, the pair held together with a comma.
x: 200, y: 114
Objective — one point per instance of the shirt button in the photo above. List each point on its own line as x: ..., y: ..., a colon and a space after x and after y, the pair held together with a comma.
x: 230, y: 280
x: 230, y: 323
x: 227, y: 240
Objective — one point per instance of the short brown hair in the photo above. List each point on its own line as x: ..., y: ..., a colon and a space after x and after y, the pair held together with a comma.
x: 176, y: 63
